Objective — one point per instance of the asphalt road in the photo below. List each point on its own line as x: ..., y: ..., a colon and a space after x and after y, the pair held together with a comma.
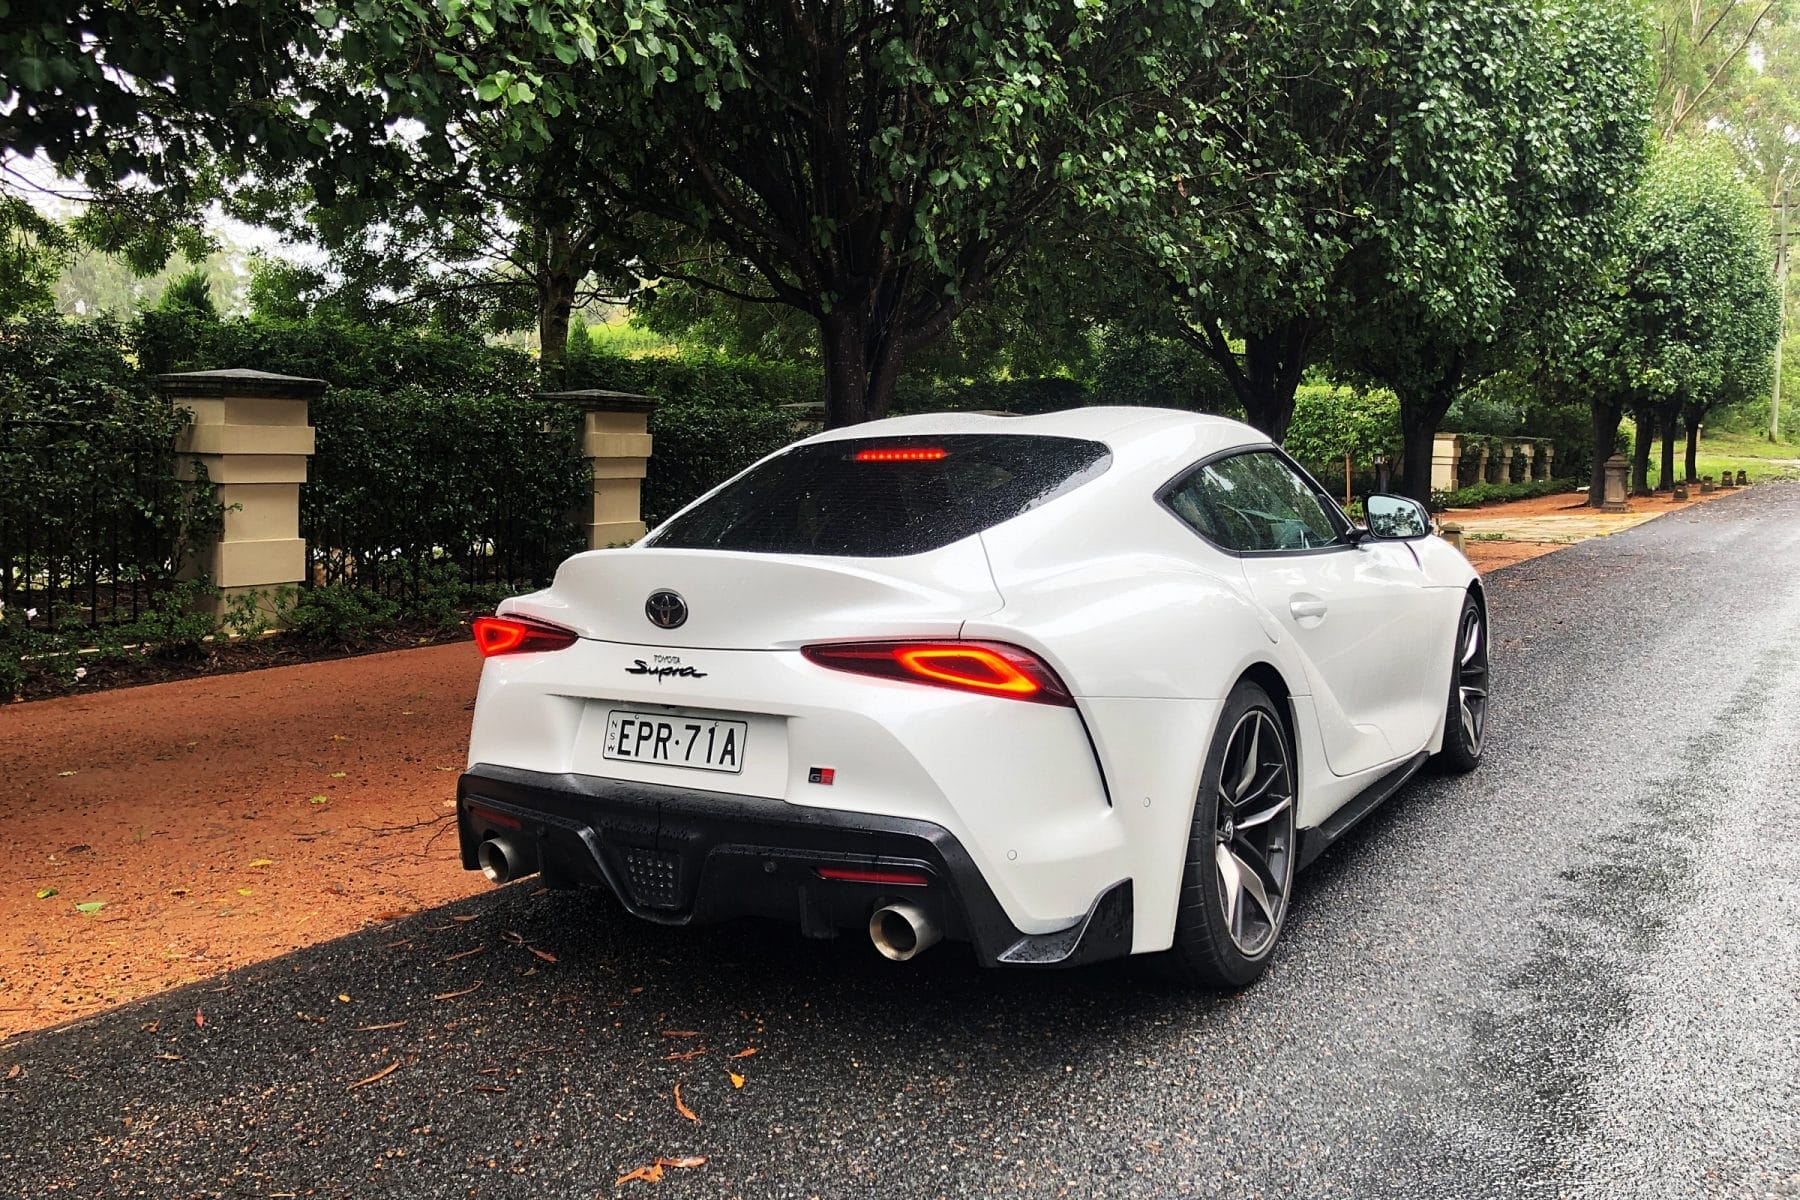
x: 1574, y: 973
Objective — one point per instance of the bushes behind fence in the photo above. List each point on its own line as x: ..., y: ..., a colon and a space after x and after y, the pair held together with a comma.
x: 94, y: 522
x: 412, y: 492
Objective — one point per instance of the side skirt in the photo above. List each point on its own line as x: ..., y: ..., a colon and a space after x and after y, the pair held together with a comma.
x: 1314, y: 841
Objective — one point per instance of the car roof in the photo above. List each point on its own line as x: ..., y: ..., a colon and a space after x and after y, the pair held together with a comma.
x: 1137, y: 435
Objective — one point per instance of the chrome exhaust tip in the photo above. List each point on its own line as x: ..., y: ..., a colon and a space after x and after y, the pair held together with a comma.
x: 502, y: 861
x: 902, y: 931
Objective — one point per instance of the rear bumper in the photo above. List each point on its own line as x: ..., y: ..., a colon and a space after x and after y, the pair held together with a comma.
x: 680, y: 857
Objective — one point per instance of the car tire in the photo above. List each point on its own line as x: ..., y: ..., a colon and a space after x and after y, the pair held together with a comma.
x: 1241, y: 848
x: 1465, y: 711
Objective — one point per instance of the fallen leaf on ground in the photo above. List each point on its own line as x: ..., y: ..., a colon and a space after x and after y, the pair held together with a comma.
x: 647, y: 1174
x: 178, y: 891
x: 381, y: 1074
x: 338, y: 774
x: 199, y: 1019
x: 64, y: 774
x: 343, y: 997
x: 454, y: 995
x: 88, y: 908
x: 654, y: 1172
x: 465, y: 954
x: 681, y: 1033
x: 246, y: 891
x: 320, y: 800
x: 261, y: 862
x: 338, y: 737
x: 466, y: 917
x: 13, y: 1071
x: 682, y: 1108
x: 684, y: 1055
x: 746, y: 1052
x: 373, y: 1028
x: 45, y: 893
x: 737, y: 1081
x: 543, y: 954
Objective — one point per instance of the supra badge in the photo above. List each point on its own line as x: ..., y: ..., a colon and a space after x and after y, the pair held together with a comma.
x: 666, y: 609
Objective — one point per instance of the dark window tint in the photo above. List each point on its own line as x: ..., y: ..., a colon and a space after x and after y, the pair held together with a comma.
x: 878, y: 497
x: 1255, y: 503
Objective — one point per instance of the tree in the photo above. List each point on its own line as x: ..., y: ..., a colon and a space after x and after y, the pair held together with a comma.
x: 1369, y: 157
x: 875, y: 166
x: 1560, y: 93
x: 1687, y: 314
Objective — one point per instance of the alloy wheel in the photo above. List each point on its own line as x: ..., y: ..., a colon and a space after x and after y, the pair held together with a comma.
x: 1472, y: 678
x: 1254, y: 836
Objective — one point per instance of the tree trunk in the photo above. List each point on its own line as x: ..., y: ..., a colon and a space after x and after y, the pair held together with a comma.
x: 1420, y: 414
x: 556, y: 302
x: 1694, y: 415
x: 862, y: 371
x: 1265, y: 378
x: 1669, y: 415
x: 1606, y: 414
x: 1643, y: 416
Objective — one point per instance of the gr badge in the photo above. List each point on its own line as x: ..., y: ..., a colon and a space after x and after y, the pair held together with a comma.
x: 824, y: 775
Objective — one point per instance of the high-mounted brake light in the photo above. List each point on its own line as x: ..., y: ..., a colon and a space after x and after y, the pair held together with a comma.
x: 986, y: 668
x: 518, y: 635
x: 892, y: 454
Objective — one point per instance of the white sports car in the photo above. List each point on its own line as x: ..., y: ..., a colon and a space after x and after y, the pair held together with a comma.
x: 1066, y: 687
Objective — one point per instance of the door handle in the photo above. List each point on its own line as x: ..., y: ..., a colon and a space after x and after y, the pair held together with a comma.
x: 1307, y: 608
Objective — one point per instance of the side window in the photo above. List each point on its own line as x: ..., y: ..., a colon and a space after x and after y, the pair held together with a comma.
x: 1255, y: 503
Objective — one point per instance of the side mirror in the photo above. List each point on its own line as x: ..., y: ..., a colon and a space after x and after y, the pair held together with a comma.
x: 1396, y: 518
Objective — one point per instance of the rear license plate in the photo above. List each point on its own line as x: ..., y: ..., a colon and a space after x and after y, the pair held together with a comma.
x: 676, y: 741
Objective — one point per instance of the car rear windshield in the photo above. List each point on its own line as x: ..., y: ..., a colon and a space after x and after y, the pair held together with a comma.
x: 883, y: 497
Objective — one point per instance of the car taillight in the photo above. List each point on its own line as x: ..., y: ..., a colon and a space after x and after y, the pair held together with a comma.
x: 518, y: 635
x: 987, y: 668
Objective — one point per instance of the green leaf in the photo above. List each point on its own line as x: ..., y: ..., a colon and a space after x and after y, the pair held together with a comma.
x: 89, y: 907
x: 326, y: 17
x: 45, y: 893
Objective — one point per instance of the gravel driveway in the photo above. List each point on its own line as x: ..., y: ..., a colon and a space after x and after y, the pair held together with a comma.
x: 1574, y: 973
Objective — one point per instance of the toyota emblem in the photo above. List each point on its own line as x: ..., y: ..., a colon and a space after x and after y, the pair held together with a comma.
x: 666, y: 610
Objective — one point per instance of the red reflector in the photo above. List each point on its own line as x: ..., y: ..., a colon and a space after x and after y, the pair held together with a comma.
x: 516, y: 635
x: 890, y: 878
x: 902, y: 454
x: 987, y: 668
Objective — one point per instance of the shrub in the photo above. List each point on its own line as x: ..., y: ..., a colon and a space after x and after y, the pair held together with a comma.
x: 1478, y: 494
x: 407, y: 485
x: 1161, y: 372
x: 1330, y: 422
x: 94, y: 518
x: 320, y: 347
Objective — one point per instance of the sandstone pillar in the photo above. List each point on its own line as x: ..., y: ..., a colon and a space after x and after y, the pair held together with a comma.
x: 250, y: 434
x: 615, y: 440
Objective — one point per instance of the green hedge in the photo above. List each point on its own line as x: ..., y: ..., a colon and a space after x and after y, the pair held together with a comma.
x: 1477, y: 494
x: 410, y: 490
x: 345, y: 356
x: 95, y: 521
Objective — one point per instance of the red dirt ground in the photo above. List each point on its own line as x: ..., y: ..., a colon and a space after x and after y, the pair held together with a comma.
x: 189, y: 809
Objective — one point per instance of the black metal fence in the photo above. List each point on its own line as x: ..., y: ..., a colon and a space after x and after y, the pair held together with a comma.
x: 93, y: 520
x: 410, y: 492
